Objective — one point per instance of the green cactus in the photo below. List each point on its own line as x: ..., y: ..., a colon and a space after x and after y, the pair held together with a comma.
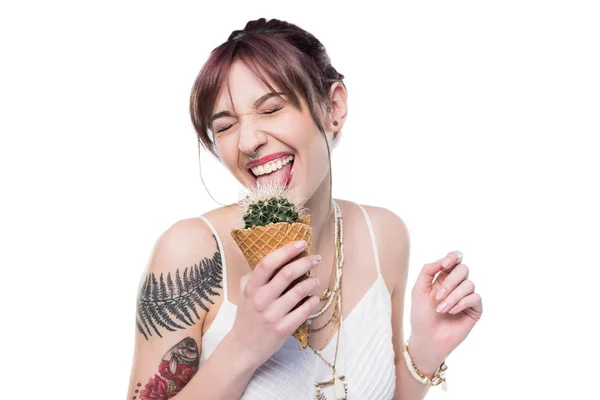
x: 272, y: 210
x: 270, y: 203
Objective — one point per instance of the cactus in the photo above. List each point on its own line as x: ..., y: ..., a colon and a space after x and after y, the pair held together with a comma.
x: 270, y: 204
x: 268, y: 211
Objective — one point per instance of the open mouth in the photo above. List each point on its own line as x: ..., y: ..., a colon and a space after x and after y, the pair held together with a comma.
x: 278, y: 171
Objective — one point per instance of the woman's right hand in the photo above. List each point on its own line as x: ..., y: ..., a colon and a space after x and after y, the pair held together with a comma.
x: 265, y: 316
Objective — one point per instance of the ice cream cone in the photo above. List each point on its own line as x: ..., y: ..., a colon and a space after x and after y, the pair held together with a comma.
x: 258, y: 241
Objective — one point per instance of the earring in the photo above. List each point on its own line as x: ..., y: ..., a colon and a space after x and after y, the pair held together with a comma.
x: 335, y: 123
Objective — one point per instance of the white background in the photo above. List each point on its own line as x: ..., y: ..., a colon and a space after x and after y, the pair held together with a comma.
x: 474, y: 121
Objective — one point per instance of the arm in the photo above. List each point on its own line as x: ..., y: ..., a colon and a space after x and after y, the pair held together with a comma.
x: 184, y: 277
x: 394, y: 247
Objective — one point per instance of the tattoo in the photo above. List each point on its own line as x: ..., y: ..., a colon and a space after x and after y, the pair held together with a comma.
x: 176, y: 369
x: 169, y: 303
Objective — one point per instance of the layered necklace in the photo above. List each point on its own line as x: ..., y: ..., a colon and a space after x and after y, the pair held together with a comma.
x: 339, y: 382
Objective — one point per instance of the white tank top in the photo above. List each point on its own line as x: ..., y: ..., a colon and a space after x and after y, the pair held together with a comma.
x: 365, y: 355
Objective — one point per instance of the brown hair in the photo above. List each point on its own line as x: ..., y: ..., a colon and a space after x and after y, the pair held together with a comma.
x: 292, y: 58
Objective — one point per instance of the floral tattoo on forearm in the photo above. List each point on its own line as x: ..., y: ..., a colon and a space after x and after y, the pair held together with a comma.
x: 176, y: 369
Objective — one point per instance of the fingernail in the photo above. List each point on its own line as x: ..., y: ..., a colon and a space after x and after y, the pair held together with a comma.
x: 316, y: 259
x: 300, y: 244
x: 446, y: 262
x: 442, y: 307
x: 459, y: 255
x: 440, y: 295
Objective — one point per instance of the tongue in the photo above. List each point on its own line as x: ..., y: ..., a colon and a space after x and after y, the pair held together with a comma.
x: 278, y: 177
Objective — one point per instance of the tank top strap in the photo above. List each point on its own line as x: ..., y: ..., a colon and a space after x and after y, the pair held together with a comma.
x: 220, y: 247
x: 373, y: 239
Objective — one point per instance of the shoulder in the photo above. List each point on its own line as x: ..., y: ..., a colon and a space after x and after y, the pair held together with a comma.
x: 393, y: 244
x: 187, y: 240
x: 182, y: 243
x: 387, y: 222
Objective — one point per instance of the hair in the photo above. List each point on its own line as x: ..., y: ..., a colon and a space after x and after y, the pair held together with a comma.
x: 294, y: 59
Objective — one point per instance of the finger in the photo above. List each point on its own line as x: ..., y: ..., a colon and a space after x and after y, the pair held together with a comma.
x: 426, y: 276
x: 288, y: 324
x: 290, y: 299
x: 425, y: 280
x: 463, y: 290
x: 453, y: 258
x: 268, y: 293
x: 454, y: 278
x: 439, y: 280
x: 473, y: 300
x: 267, y: 266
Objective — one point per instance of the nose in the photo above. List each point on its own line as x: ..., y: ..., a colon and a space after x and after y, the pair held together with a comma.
x: 251, y: 137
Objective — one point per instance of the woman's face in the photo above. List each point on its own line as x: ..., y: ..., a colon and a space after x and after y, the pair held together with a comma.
x: 271, y: 125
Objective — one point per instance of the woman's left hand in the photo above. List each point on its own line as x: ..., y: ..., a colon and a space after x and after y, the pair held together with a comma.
x: 443, y: 311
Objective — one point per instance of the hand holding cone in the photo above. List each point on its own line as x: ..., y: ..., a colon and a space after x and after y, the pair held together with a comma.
x: 272, y: 220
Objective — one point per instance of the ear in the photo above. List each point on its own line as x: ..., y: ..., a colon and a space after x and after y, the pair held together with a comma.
x: 337, y: 114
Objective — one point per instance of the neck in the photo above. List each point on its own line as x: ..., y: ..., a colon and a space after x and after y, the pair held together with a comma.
x: 320, y: 207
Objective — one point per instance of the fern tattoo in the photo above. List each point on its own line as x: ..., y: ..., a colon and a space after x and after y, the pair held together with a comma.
x: 167, y: 303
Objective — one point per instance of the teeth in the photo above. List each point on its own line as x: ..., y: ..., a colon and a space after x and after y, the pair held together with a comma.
x: 272, y: 166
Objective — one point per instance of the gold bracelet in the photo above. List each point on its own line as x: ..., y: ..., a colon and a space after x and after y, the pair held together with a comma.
x: 438, y: 377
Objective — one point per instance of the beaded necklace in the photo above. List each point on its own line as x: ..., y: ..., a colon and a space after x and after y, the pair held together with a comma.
x: 338, y: 239
x: 339, y: 382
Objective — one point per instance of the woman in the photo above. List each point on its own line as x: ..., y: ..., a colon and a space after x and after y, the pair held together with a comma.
x: 211, y: 328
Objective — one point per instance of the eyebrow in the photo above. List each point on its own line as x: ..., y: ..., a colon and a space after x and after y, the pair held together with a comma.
x: 256, y: 104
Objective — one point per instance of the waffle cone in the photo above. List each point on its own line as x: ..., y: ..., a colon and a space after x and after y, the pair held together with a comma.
x: 258, y: 241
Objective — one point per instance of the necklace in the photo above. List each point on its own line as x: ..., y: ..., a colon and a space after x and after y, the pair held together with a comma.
x: 338, y: 239
x: 339, y: 382
x: 335, y: 319
x: 327, y: 293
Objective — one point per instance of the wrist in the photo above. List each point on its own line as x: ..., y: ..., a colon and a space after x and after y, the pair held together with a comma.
x: 244, y: 360
x: 421, y: 354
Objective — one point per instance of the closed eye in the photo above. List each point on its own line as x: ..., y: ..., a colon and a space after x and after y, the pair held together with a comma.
x: 224, y: 128
x: 273, y: 109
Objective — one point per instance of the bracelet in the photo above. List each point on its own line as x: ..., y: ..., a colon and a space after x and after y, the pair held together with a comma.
x: 438, y: 377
